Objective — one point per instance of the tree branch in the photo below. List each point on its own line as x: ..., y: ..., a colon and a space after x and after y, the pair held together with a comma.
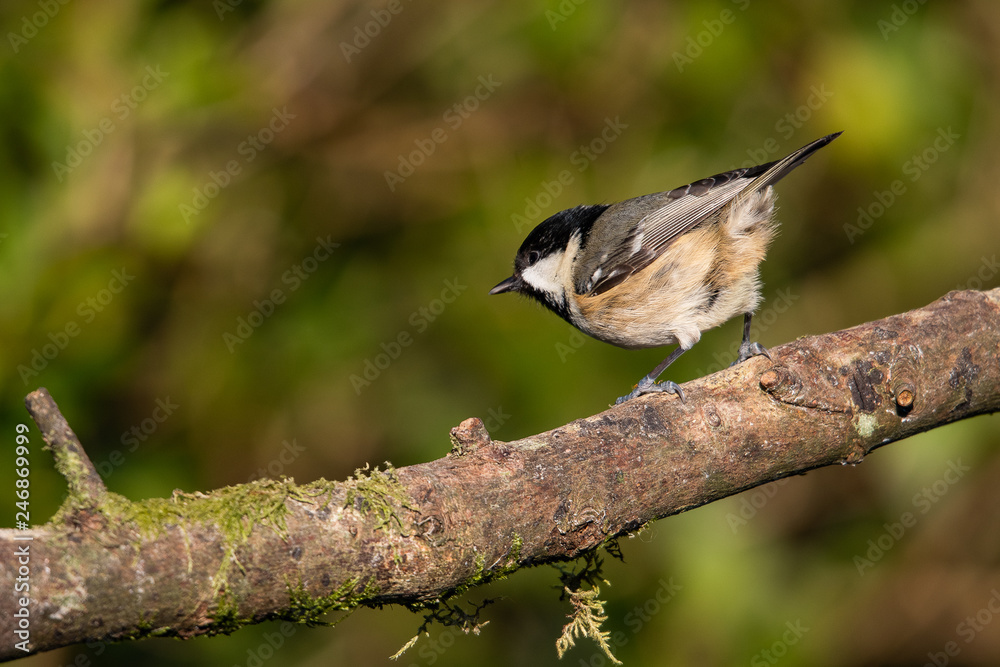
x: 86, y: 487
x: 199, y: 563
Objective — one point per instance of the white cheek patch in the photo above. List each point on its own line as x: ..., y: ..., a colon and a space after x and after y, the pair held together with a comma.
x: 543, y: 275
x: 553, y: 274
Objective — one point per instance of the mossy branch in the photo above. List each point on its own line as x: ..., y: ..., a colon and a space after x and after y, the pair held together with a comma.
x: 197, y: 564
x: 86, y: 488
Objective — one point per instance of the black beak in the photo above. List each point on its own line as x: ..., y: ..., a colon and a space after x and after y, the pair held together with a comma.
x: 511, y: 284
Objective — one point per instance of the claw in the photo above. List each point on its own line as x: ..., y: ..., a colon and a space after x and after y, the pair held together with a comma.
x: 749, y: 350
x: 647, y: 386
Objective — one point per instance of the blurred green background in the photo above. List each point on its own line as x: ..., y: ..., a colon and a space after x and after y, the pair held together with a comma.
x: 215, y: 217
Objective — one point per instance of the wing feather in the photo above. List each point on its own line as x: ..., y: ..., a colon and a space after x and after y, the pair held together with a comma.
x: 667, y: 215
x: 673, y: 213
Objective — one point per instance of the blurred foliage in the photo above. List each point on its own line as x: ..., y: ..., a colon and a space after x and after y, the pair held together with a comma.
x: 276, y: 123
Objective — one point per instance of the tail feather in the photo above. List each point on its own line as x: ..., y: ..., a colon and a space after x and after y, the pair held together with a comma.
x: 775, y: 171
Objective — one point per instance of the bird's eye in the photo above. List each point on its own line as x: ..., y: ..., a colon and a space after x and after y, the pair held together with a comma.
x: 533, y: 256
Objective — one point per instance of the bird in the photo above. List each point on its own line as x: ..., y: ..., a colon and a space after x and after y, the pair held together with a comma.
x: 659, y: 269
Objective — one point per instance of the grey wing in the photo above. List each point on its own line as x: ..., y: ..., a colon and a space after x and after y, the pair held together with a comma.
x: 666, y: 216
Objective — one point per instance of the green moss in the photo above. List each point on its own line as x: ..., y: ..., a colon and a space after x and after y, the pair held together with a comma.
x: 482, y: 576
x: 580, y: 587
x: 226, y: 617
x: 239, y: 510
x: 446, y: 615
x: 515, y: 550
x: 86, y: 489
x: 442, y: 613
x: 587, y: 619
x: 143, y: 629
x: 236, y: 511
x: 310, y: 610
x: 379, y: 491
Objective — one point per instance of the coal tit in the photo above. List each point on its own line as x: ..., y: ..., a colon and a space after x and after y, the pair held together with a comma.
x: 659, y: 269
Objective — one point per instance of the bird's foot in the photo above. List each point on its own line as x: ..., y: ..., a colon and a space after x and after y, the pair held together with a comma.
x: 649, y: 386
x: 749, y: 350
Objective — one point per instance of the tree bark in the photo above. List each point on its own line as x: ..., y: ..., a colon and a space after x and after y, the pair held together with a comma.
x: 105, y: 568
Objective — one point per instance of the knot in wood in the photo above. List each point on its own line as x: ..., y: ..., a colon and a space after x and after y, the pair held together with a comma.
x: 712, y: 415
x: 903, y: 391
x: 431, y: 528
x: 469, y: 436
x: 905, y: 360
x: 576, y: 514
x: 779, y: 381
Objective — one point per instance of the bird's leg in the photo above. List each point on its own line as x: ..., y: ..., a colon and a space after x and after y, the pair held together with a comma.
x: 649, y: 385
x: 748, y: 349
